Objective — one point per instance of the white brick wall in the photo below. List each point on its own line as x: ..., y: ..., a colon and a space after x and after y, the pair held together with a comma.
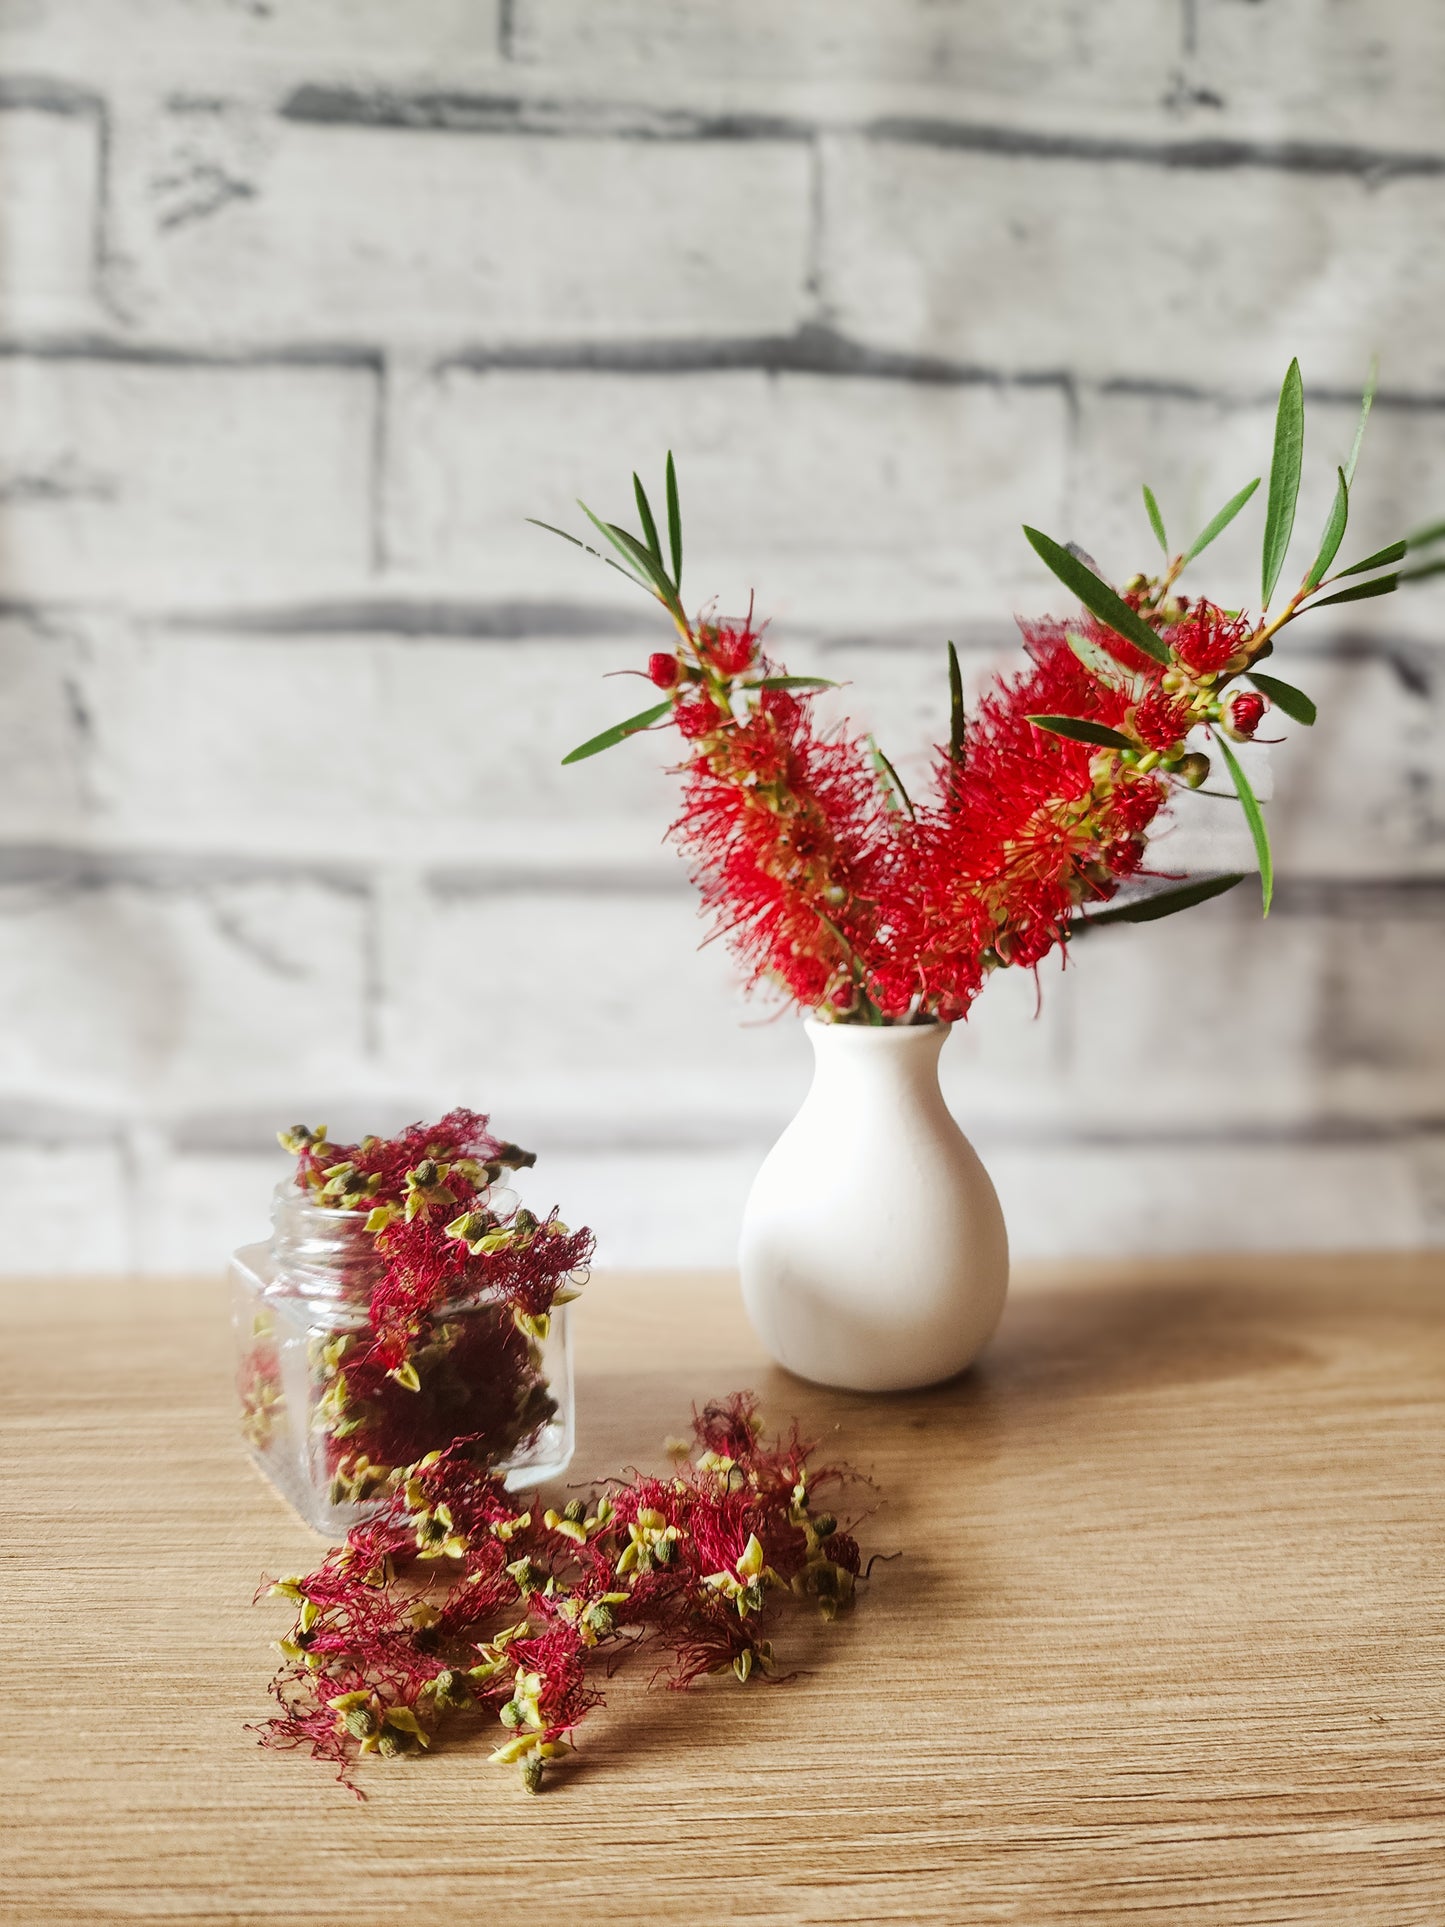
x: 304, y: 306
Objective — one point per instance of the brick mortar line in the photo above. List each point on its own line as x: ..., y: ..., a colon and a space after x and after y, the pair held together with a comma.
x: 516, y: 621
x: 241, y: 1134
x: 541, y: 117
x: 73, y: 867
x: 42, y: 94
x: 813, y: 349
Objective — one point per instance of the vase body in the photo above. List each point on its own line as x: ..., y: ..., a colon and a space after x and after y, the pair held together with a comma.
x: 332, y: 1433
x: 873, y: 1253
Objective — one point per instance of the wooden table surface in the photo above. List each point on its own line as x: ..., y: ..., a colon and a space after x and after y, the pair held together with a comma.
x: 1166, y: 1642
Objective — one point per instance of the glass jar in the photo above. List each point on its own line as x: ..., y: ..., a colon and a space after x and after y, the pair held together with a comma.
x: 332, y: 1429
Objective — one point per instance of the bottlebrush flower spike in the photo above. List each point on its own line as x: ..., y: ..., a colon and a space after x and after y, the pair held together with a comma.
x: 864, y: 905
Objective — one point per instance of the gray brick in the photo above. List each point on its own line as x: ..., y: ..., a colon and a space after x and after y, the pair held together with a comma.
x: 125, y: 999
x: 839, y: 501
x: 997, y: 259
x: 49, y: 174
x: 994, y: 54
x: 431, y: 752
x: 51, y: 1236
x: 1349, y: 72
x: 234, y: 227
x: 44, y: 726
x: 1284, y: 1023
x: 184, y: 482
x: 203, y: 43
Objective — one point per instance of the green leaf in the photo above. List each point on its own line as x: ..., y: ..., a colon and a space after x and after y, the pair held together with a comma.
x: 1426, y: 537
x: 791, y: 682
x: 610, y: 533
x: 1367, y: 402
x: 957, y: 720
x: 1099, y: 663
x: 674, y: 523
x: 648, y: 572
x: 1097, y: 597
x: 649, y: 527
x: 1221, y: 521
x: 618, y: 733
x: 895, y: 795
x: 1334, y: 531
x: 1080, y: 730
x: 1156, y: 520
x: 1416, y: 575
x: 1294, y: 702
x: 1254, y: 817
x: 1381, y: 585
x: 586, y: 547
x: 1379, y: 560
x: 1284, y: 472
x: 1164, y: 903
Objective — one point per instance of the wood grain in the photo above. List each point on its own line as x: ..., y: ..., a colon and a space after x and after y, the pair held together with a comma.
x: 1166, y: 1643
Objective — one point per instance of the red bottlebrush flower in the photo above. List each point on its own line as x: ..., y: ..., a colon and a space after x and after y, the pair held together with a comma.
x: 1246, y: 712
x: 1161, y: 722
x: 1208, y: 637
x: 730, y: 648
x: 698, y: 716
x: 662, y: 669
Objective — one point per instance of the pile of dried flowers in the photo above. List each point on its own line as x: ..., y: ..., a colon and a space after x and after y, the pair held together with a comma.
x: 460, y: 1600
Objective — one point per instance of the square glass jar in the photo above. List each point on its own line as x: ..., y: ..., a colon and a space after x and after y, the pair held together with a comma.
x: 331, y: 1429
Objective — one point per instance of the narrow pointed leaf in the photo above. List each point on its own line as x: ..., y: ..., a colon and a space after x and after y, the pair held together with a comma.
x: 1334, y: 530
x: 1415, y: 575
x: 1097, y: 597
x: 586, y: 547
x: 957, y: 720
x: 1099, y: 663
x: 1079, y: 729
x: 1164, y: 903
x: 1367, y: 402
x: 1426, y: 537
x: 674, y: 523
x: 1254, y: 817
x: 894, y: 793
x: 1156, y: 520
x: 618, y: 733
x: 791, y: 682
x: 649, y: 526
x: 609, y: 534
x: 1381, y: 585
x: 1284, y: 472
x: 648, y: 572
x: 1221, y: 521
x: 1381, y: 559
x: 1294, y: 702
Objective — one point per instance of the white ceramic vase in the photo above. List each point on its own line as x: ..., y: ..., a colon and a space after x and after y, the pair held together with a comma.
x: 873, y: 1251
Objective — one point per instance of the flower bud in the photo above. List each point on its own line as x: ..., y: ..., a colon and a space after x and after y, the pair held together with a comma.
x: 1192, y: 769
x: 1246, y: 712
x: 662, y: 670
